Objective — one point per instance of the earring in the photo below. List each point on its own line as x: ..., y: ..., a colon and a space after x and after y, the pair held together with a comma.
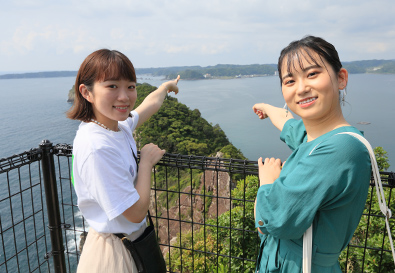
x: 286, y: 109
x: 343, y: 96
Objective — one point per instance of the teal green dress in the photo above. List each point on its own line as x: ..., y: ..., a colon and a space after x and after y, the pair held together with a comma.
x: 327, y: 188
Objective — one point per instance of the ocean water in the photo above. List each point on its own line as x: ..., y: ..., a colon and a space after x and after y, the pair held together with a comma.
x: 34, y: 109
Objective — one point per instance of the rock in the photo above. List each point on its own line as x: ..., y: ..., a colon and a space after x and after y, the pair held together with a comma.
x: 190, y: 207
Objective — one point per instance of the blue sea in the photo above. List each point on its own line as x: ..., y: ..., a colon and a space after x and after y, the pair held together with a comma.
x: 34, y: 109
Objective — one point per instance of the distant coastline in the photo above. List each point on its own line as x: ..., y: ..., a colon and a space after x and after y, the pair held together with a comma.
x: 47, y: 74
x: 221, y: 71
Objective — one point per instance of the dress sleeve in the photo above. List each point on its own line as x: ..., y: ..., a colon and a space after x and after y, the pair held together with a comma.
x: 325, y: 180
x: 293, y: 133
x: 109, y: 181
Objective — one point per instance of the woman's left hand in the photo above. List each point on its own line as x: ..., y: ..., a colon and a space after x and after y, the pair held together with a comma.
x: 269, y: 171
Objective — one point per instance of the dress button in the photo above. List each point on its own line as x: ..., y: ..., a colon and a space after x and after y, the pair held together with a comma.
x: 260, y: 222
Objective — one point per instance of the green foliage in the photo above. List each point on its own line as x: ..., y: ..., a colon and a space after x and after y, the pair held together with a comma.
x: 381, y: 158
x: 231, y: 234
x: 372, y: 227
x: 179, y: 130
x: 230, y: 151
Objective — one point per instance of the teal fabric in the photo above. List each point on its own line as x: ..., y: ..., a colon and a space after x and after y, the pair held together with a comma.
x: 328, y: 187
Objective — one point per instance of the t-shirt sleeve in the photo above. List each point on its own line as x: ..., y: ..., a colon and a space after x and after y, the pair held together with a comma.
x: 132, y: 122
x: 109, y: 182
x: 293, y: 133
x: 327, y: 179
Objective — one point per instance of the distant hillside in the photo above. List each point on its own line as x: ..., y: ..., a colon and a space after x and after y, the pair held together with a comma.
x: 371, y: 66
x: 48, y: 74
x: 222, y: 70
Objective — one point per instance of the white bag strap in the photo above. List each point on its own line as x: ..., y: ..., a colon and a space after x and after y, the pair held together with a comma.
x: 307, y: 249
x: 379, y: 188
x: 308, y: 235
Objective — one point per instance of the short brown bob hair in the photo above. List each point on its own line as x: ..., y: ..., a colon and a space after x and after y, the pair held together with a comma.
x: 101, y: 65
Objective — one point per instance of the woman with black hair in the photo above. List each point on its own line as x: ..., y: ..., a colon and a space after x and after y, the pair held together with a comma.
x: 325, y: 180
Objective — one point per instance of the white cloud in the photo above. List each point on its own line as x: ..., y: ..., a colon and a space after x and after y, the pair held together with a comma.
x: 178, y: 32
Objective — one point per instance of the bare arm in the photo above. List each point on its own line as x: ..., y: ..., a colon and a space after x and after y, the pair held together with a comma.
x: 278, y: 116
x: 150, y: 155
x: 154, y: 100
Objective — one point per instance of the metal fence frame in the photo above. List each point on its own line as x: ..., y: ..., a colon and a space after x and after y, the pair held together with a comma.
x: 47, y: 239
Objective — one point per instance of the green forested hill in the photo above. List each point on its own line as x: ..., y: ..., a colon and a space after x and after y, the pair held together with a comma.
x: 220, y: 70
x: 180, y: 130
x: 371, y: 66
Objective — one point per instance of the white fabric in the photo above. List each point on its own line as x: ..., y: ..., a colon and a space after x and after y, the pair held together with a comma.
x: 105, y: 253
x: 308, y: 235
x: 104, y: 172
x: 307, y: 249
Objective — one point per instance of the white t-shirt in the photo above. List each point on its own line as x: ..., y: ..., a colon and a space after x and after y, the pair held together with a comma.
x: 104, y: 173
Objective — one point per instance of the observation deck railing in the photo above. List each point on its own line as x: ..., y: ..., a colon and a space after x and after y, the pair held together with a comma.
x: 202, y: 209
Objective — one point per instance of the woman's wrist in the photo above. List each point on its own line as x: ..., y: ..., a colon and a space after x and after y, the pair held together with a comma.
x: 164, y: 86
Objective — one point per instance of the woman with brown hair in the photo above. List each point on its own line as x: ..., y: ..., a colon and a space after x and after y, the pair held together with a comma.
x: 111, y: 196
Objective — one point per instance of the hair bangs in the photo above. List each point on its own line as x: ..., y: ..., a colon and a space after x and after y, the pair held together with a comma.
x: 295, y: 58
x: 116, y: 67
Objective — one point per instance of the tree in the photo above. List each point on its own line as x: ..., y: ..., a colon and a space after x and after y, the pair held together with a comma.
x: 381, y: 158
x: 177, y: 129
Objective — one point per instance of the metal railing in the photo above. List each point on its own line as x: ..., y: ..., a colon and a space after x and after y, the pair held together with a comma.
x: 202, y: 207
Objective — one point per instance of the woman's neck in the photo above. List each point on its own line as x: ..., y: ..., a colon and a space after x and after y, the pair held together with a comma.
x: 315, y: 129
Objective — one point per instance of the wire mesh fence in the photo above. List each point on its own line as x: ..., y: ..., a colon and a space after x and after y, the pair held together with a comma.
x: 202, y: 209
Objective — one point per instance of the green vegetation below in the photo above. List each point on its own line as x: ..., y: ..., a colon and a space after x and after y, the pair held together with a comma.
x: 180, y: 130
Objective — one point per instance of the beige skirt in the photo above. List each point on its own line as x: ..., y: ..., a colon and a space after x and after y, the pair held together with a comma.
x: 105, y: 252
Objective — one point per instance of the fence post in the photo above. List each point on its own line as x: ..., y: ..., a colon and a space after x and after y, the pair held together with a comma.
x: 53, y: 211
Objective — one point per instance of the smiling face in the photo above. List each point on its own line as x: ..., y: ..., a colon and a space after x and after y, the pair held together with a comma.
x: 111, y: 100
x: 311, y: 88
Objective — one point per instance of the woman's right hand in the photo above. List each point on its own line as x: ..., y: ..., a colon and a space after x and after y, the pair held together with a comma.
x: 259, y: 109
x: 151, y: 154
x: 278, y: 116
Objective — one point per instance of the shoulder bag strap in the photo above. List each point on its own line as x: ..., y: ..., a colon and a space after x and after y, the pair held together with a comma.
x: 308, y: 235
x: 379, y: 188
x: 307, y: 249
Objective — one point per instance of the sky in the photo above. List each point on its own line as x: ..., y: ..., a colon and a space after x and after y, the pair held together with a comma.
x: 47, y: 35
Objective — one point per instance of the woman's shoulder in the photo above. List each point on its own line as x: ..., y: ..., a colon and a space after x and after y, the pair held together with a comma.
x: 344, y: 142
x: 131, y: 121
x: 91, y: 138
